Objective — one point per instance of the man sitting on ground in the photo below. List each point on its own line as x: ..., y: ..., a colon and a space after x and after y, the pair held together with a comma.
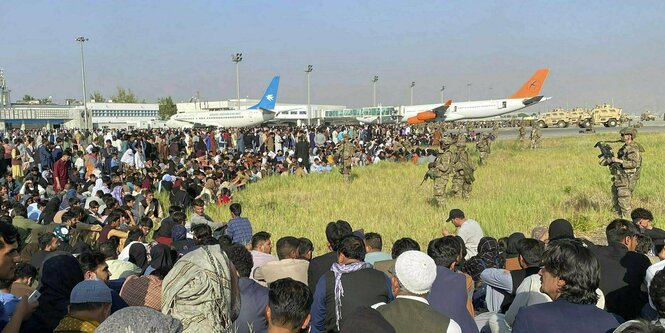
x: 570, y: 275
x: 89, y: 306
x: 288, y: 307
x: 288, y: 265
x: 413, y: 276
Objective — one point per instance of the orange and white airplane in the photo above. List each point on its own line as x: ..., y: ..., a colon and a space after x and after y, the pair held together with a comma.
x: 527, y: 95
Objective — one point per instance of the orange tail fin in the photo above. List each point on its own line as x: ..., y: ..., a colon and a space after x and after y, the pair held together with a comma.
x: 532, y: 87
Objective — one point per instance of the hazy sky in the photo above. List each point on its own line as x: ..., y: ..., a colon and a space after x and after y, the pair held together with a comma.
x: 596, y: 50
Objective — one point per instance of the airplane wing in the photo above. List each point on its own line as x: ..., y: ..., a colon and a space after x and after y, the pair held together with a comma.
x: 437, y: 114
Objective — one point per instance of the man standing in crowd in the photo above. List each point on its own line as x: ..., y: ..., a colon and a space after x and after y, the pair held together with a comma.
x: 468, y: 229
x: 253, y: 296
x: 570, y: 275
x: 89, y: 306
x: 373, y: 246
x: 61, y: 172
x: 261, y: 249
x: 625, y: 170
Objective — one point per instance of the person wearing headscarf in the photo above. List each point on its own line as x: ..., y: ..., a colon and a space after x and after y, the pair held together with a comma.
x: 160, y: 258
x: 202, y: 291
x: 489, y: 256
x: 138, y: 255
x: 60, y: 273
x: 138, y: 319
x: 512, y: 255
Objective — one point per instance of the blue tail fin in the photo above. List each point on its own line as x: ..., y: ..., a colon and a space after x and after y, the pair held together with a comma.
x: 269, y: 98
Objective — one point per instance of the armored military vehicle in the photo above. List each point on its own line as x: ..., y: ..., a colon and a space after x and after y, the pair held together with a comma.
x: 647, y: 116
x: 603, y: 114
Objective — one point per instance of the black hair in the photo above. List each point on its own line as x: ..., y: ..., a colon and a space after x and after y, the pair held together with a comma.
x: 285, y: 246
x: 20, y: 210
x: 89, y: 260
x: 644, y: 244
x: 25, y: 270
x: 260, y: 237
x: 304, y: 245
x: 241, y: 259
x: 402, y: 245
x: 619, y: 229
x: 146, y: 222
x: 352, y: 247
x: 108, y: 249
x: 235, y: 209
x: 93, y: 204
x: 44, y: 240
x: 445, y: 251
x: 657, y: 292
x: 174, y: 208
x: 201, y: 231
x: 373, y: 240
x: 179, y: 218
x: 572, y: 262
x: 641, y: 213
x: 198, y: 203
x: 127, y: 198
x: 289, y: 302
x: 337, y: 230
x: 6, y: 283
x: 134, y: 235
x: 531, y: 251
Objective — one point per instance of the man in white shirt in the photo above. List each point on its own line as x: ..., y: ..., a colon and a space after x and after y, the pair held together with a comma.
x: 468, y: 229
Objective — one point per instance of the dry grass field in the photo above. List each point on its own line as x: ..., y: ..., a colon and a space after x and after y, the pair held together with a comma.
x: 516, y: 191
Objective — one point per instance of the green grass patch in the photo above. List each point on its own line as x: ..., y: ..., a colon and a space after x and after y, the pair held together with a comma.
x: 517, y: 190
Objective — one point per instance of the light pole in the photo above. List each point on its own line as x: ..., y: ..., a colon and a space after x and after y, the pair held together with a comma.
x: 413, y: 84
x: 237, y: 58
x: 376, y: 78
x: 442, y: 89
x: 309, y: 69
x: 86, y: 117
x: 468, y: 87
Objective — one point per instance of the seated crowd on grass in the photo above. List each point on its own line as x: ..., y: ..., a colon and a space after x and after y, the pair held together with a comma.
x: 107, y: 256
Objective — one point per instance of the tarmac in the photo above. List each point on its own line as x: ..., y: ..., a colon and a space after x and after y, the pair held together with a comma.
x: 657, y: 126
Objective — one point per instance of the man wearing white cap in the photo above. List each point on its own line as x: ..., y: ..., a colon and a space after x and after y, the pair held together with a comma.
x: 413, y: 276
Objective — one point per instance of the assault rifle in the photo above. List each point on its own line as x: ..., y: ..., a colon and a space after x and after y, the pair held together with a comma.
x: 606, y: 152
x: 427, y: 175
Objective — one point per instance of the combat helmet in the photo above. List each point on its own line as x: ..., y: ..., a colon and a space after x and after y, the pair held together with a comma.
x: 446, y: 141
x: 629, y: 130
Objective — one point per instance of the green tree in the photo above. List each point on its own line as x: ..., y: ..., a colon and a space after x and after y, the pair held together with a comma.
x: 167, y: 108
x: 97, y: 97
x: 28, y: 98
x: 124, y: 96
x: 45, y: 100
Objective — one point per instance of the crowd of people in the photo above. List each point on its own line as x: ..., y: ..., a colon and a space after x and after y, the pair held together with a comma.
x: 82, y: 224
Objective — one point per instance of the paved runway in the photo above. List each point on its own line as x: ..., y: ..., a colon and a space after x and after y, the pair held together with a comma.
x: 512, y: 133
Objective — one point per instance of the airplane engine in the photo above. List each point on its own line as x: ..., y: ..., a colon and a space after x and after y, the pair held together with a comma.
x: 426, y: 115
x: 414, y: 120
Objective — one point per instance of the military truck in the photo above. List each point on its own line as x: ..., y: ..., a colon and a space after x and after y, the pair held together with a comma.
x: 647, y: 116
x: 603, y: 114
x: 556, y: 117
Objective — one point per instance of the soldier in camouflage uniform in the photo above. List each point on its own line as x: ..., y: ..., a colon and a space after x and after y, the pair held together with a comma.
x: 463, y: 178
x: 625, y: 170
x: 441, y: 169
x: 535, y: 136
x: 483, y: 147
x: 522, y: 136
x: 347, y: 150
